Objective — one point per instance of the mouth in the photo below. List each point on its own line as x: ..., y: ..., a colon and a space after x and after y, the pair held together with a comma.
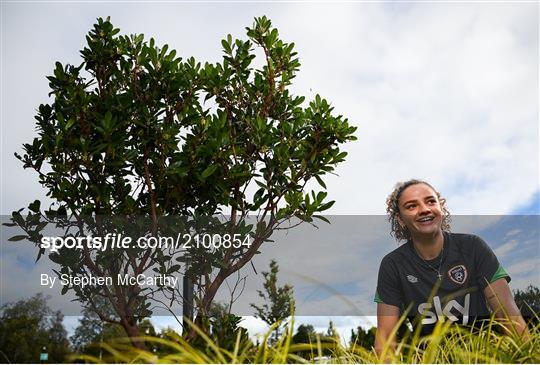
x: 425, y: 220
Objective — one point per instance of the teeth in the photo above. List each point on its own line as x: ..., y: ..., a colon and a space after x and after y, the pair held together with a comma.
x: 425, y: 219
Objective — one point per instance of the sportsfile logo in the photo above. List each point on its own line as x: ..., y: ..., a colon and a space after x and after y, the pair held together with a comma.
x: 431, y: 317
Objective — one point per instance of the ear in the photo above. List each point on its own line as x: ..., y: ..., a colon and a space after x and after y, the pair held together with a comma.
x: 400, y: 221
x: 442, y: 202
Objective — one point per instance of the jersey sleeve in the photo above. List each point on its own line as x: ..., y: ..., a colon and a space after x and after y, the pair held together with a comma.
x: 388, y: 285
x: 488, y: 268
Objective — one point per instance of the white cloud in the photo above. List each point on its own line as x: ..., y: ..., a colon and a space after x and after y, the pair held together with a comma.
x: 525, y: 267
x: 513, y: 232
x: 505, y: 248
x: 445, y: 92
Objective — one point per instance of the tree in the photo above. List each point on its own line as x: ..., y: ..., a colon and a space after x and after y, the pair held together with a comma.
x: 325, y: 341
x: 331, y: 330
x: 528, y: 302
x: 225, y: 327
x: 364, y: 338
x: 305, y: 334
x: 92, y: 331
x: 142, y: 133
x: 330, y: 339
x: 58, y: 347
x: 89, y: 330
x: 28, y: 326
x: 278, y: 302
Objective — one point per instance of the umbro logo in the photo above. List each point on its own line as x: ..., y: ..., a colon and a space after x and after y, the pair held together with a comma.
x: 412, y: 279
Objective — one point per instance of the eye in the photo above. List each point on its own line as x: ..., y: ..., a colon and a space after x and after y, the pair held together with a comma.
x: 410, y: 206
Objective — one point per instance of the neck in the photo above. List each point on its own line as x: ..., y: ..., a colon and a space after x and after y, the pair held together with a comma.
x: 429, y: 247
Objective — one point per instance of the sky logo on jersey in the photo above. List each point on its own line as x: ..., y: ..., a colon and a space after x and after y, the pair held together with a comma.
x: 412, y: 279
x: 432, y: 317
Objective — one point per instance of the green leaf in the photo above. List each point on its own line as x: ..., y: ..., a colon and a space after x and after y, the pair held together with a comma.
x: 262, y: 185
x: 326, y: 206
x: 69, y: 124
x: 17, y: 238
x: 34, y: 207
x: 321, y: 195
x: 324, y: 219
x: 41, y: 252
x: 341, y: 156
x: 107, y: 121
x: 41, y: 226
x: 320, y: 181
x: 209, y: 171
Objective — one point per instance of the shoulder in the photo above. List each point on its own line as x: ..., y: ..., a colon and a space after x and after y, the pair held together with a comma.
x: 470, y: 245
x: 396, y: 256
x: 464, y: 237
x: 466, y: 241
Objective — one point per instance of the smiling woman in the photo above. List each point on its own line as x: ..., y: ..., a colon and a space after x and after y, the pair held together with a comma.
x: 436, y: 274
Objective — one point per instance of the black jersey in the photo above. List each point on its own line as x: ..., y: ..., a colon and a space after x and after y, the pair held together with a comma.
x: 408, y: 282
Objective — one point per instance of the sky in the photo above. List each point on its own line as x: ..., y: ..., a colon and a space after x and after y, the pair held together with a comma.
x: 446, y: 92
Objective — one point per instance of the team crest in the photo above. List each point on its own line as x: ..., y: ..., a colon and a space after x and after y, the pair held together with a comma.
x: 458, y: 274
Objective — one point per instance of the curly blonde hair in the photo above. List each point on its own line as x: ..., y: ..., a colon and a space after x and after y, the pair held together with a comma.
x: 401, y: 233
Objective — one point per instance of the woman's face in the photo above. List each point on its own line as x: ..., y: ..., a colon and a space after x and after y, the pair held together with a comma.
x: 420, y: 210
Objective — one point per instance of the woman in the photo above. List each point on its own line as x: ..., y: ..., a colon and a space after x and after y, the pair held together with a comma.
x: 436, y: 273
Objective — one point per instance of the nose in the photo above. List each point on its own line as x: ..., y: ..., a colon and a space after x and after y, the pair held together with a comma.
x: 424, y: 208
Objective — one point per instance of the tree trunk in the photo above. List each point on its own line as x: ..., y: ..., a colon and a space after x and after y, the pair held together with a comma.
x: 223, y: 274
x: 206, y: 302
x: 132, y: 330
